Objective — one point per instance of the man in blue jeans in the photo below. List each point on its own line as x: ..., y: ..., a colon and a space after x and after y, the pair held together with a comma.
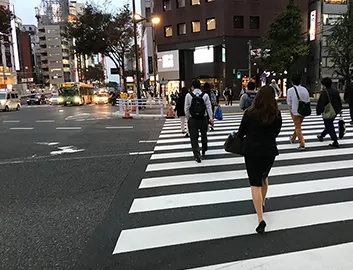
x: 329, y: 95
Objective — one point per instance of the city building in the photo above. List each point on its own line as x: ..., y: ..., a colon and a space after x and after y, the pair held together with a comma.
x: 32, y: 31
x: 9, y: 61
x: 147, y: 44
x: 57, y: 62
x: 322, y: 15
x: 212, y: 36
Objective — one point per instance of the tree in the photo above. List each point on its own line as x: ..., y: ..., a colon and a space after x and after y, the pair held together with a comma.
x: 97, y: 31
x: 95, y: 73
x: 285, y: 40
x: 5, y: 20
x: 340, y: 44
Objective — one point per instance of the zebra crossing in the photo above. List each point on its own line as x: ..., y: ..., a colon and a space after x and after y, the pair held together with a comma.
x: 187, y: 215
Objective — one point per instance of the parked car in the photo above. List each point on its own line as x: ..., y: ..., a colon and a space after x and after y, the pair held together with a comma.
x: 9, y: 101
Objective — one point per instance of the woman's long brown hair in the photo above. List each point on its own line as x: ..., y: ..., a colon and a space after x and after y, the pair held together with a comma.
x: 265, y: 105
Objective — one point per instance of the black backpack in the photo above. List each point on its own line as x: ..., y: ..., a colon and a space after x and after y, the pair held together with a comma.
x: 198, y: 107
x: 304, y: 108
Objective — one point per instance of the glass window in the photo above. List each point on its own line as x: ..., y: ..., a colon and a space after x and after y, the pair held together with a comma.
x: 342, y: 2
x: 196, y: 26
x: 239, y: 22
x: 254, y: 22
x: 331, y: 19
x: 182, y: 29
x: 195, y: 2
x: 167, y: 5
x: 180, y: 3
x: 168, y: 31
x: 211, y: 24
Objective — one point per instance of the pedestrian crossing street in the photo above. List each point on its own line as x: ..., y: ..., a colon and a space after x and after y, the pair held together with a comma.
x: 200, y: 216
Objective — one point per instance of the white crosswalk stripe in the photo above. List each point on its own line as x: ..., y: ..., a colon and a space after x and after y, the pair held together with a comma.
x: 205, y: 210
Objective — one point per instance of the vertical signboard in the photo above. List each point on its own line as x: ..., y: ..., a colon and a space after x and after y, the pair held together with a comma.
x: 313, y: 23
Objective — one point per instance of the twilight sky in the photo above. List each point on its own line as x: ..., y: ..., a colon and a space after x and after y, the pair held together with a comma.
x: 25, y: 8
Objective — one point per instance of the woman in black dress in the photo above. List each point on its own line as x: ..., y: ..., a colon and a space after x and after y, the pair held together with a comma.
x: 259, y: 128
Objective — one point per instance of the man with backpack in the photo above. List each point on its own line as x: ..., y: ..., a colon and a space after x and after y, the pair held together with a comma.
x: 248, y: 97
x: 198, y: 111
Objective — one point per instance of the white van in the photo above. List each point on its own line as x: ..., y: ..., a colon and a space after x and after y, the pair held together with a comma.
x: 9, y: 101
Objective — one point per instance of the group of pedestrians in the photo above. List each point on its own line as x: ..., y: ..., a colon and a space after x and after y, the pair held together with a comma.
x: 260, y: 126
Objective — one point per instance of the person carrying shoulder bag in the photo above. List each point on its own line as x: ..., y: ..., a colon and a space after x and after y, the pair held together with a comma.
x: 329, y: 105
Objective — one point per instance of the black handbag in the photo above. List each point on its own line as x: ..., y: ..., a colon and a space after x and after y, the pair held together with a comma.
x: 304, y: 108
x: 234, y: 145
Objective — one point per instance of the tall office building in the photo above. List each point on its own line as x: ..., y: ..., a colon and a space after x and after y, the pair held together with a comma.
x: 56, y: 61
x: 322, y: 16
x: 208, y: 39
x: 9, y: 61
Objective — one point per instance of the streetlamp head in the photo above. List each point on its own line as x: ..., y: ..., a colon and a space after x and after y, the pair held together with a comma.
x: 137, y: 17
x: 155, y: 20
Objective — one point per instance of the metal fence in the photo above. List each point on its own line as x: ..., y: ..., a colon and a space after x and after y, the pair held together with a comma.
x: 153, y: 107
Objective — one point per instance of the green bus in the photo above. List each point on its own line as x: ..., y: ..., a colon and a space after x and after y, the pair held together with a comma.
x: 73, y: 93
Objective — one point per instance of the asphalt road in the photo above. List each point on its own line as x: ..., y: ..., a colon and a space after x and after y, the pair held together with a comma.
x: 61, y: 167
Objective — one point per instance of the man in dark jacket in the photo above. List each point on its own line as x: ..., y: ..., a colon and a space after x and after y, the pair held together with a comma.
x: 348, y: 97
x: 329, y: 95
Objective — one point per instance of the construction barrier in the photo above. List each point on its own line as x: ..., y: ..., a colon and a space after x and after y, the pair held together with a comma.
x: 131, y: 108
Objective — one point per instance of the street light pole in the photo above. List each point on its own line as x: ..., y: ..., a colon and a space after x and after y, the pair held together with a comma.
x: 155, y: 63
x: 136, y: 51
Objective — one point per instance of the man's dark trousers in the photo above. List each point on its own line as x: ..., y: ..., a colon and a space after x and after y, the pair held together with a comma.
x: 196, y: 125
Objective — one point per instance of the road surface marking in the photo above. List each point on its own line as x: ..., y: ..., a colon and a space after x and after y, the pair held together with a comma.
x: 141, y: 153
x: 11, y: 121
x: 324, y: 258
x: 45, y: 121
x: 150, y: 141
x: 218, y: 228
x: 240, y: 160
x: 121, y: 127
x: 69, y: 128
x: 48, y: 143
x: 66, y: 150
x: 22, y: 128
x: 223, y: 152
x: 198, y: 178
x: 238, y: 194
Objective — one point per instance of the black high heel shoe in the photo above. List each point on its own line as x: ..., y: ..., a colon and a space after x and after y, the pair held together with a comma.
x: 261, y: 228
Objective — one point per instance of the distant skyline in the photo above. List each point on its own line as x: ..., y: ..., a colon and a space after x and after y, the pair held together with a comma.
x: 24, y: 9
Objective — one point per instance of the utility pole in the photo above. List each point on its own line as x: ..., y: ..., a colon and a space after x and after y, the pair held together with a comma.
x: 136, y: 51
x: 155, y: 63
x: 250, y: 48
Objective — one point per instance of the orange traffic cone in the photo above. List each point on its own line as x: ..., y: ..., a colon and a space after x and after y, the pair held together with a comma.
x: 170, y: 114
x: 127, y: 114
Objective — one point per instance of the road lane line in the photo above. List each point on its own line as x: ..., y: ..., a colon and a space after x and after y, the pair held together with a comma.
x: 233, y: 226
x: 45, y: 121
x: 148, y: 141
x: 237, y: 194
x: 141, y: 153
x: 69, y: 128
x: 21, y: 128
x: 11, y: 121
x: 121, y: 127
x: 331, y: 257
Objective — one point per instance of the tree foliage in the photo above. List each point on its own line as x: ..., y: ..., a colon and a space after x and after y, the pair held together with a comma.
x: 5, y: 20
x: 94, y: 73
x: 110, y: 34
x: 340, y: 45
x: 285, y: 40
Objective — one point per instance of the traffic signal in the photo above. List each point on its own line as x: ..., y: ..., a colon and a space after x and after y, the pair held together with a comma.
x: 239, y: 75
